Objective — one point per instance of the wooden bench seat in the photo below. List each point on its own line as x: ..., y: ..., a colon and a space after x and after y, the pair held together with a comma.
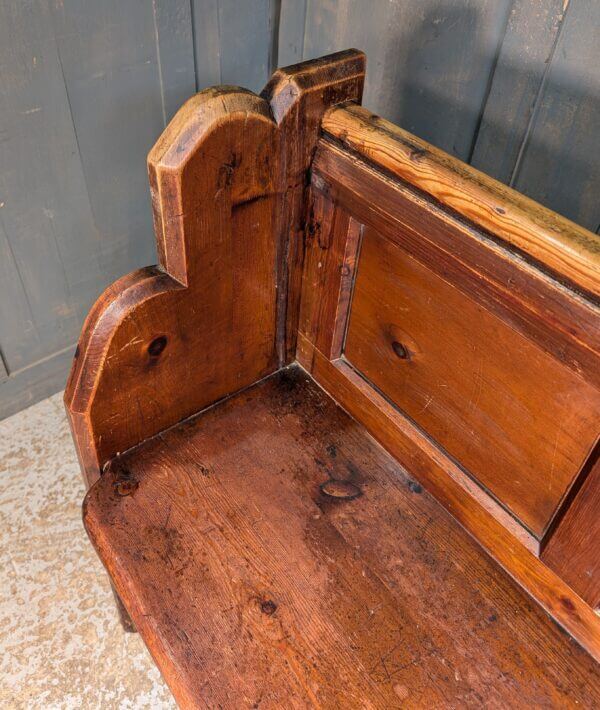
x: 253, y: 587
x: 342, y: 443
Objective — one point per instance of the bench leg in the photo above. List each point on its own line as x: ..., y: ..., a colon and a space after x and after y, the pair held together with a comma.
x: 124, y: 617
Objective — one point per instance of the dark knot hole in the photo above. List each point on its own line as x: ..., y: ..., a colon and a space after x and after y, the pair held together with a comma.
x: 157, y: 346
x: 400, y: 350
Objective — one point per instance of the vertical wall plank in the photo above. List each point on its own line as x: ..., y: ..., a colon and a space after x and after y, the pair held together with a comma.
x: 87, y: 86
x: 18, y: 332
x: 175, y: 53
x: 245, y: 37
x: 428, y: 62
x: 526, y: 52
x: 47, y: 222
x: 291, y: 31
x: 560, y: 164
x: 207, y: 42
x: 109, y: 59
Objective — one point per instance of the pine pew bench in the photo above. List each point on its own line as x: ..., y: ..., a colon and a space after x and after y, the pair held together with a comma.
x: 341, y: 444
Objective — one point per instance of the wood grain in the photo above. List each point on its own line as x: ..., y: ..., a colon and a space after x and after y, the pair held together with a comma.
x: 471, y: 309
x: 299, y: 96
x: 568, y: 251
x: 332, y: 245
x: 206, y: 324
x: 251, y: 586
x: 555, y: 318
x: 499, y: 534
x: 573, y: 549
x: 533, y: 308
x: 518, y: 421
x: 227, y: 179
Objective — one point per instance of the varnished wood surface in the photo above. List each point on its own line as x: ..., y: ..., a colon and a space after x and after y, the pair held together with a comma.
x: 573, y: 549
x: 505, y: 540
x: 348, y: 189
x: 207, y: 322
x: 298, y: 96
x: 569, y: 251
x: 555, y: 318
x: 251, y: 587
x: 227, y: 179
x: 518, y: 421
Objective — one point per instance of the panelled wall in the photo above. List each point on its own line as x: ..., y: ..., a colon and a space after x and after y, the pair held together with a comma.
x: 86, y: 87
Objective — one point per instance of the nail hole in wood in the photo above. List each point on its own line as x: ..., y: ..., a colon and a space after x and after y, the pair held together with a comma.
x: 268, y: 607
x: 126, y: 486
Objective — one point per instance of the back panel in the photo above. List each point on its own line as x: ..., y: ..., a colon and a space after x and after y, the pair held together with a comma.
x: 473, y: 340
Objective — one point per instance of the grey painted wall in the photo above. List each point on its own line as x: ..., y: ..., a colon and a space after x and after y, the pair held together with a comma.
x: 86, y: 87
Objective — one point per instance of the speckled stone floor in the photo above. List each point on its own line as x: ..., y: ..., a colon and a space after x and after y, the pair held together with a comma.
x: 61, y: 645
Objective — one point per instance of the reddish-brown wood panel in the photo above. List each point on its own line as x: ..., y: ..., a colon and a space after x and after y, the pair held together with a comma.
x: 555, y: 318
x: 167, y: 344
x: 573, y: 548
x: 569, y: 251
x: 520, y: 422
x: 298, y: 96
x: 332, y: 246
x: 500, y: 534
x: 227, y: 178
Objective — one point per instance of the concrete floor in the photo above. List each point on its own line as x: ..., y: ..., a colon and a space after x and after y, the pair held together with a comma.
x: 61, y: 645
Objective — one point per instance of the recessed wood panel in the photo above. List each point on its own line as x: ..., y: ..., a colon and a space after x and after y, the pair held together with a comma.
x: 517, y: 419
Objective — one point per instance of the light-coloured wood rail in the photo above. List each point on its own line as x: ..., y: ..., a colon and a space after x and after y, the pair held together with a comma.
x: 567, y: 250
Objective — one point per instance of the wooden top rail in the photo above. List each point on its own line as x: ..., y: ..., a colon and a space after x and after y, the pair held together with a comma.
x: 567, y: 250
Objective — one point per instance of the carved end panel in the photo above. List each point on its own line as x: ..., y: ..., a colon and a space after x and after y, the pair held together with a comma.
x: 169, y: 341
x: 165, y: 342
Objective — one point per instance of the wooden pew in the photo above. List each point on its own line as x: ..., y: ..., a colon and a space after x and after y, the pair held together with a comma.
x: 342, y: 442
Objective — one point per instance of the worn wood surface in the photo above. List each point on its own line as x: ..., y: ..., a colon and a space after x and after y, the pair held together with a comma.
x: 332, y: 244
x: 573, y: 549
x: 227, y: 188
x: 206, y: 324
x: 397, y: 256
x: 533, y: 309
x: 250, y: 585
x: 556, y: 319
x: 507, y: 542
x: 521, y: 423
x: 298, y: 96
x: 557, y: 244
